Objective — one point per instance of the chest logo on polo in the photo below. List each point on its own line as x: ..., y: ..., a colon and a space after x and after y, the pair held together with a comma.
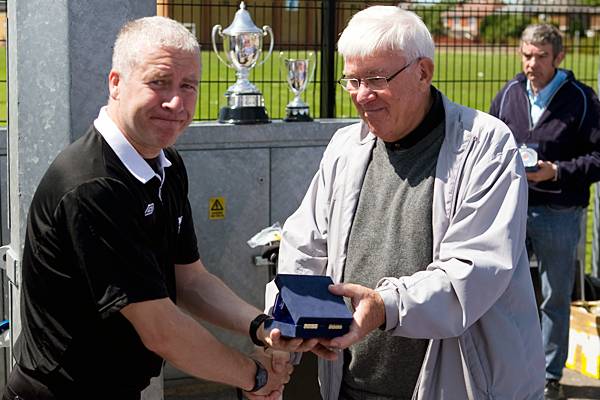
x: 149, y: 209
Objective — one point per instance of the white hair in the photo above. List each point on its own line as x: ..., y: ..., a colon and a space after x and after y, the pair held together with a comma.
x: 385, y: 28
x: 143, y: 34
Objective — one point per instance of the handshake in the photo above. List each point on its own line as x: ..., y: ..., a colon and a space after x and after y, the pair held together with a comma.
x: 309, y: 314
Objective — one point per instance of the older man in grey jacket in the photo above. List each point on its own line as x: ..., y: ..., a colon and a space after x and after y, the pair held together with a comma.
x: 418, y: 214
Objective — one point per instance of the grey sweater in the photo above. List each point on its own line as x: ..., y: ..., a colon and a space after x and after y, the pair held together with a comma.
x: 392, y: 236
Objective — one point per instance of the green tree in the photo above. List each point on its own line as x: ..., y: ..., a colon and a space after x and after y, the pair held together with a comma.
x: 497, y: 28
x: 431, y: 14
x: 576, y: 24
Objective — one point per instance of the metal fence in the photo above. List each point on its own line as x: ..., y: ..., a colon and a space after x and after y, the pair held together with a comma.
x: 3, y: 86
x: 476, y: 46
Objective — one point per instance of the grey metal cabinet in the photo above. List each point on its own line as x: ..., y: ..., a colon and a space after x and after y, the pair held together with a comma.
x: 260, y: 174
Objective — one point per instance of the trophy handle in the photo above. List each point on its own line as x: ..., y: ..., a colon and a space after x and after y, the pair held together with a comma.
x: 267, y: 29
x: 313, y: 60
x: 217, y: 30
x: 282, y: 63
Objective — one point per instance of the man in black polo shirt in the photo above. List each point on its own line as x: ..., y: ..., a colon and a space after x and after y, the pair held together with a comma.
x: 110, y: 247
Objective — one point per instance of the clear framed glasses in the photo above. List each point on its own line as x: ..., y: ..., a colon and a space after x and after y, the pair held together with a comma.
x: 373, y: 82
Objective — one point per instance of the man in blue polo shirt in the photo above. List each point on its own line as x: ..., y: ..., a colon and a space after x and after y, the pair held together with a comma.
x: 555, y: 120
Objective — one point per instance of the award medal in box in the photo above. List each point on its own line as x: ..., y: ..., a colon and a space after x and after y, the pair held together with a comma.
x: 305, y: 308
x: 529, y: 157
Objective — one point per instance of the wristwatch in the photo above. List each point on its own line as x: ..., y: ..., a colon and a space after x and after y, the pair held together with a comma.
x: 261, y: 377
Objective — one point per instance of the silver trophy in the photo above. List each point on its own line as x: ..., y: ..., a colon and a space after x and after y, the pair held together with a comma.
x: 242, y: 43
x: 298, y: 71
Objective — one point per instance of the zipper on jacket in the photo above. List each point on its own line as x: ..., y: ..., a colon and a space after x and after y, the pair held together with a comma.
x: 528, y: 114
x: 460, y: 176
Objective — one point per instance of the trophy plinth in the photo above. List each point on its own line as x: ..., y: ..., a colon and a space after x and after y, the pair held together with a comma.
x: 298, y: 73
x: 297, y: 111
x: 243, y: 115
x: 242, y: 43
x: 244, y: 108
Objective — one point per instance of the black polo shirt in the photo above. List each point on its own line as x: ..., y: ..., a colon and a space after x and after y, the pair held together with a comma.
x: 98, y: 238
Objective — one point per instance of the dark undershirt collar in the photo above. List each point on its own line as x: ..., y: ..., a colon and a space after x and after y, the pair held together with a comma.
x: 432, y: 119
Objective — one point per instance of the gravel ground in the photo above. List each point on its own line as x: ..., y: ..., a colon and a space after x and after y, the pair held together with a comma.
x: 576, y: 386
x: 580, y: 387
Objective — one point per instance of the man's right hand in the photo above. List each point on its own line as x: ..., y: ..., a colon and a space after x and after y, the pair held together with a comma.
x: 369, y: 314
x: 546, y: 171
x: 278, y: 375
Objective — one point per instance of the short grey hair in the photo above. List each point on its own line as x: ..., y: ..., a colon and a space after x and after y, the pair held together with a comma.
x: 385, y: 28
x: 543, y: 34
x: 148, y: 33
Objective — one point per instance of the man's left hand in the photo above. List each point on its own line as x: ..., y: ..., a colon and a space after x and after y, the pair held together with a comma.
x: 273, y: 338
x: 546, y: 172
x: 369, y: 314
x: 274, y: 395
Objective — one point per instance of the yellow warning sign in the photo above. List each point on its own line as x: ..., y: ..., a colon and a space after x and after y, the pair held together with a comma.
x: 216, y: 208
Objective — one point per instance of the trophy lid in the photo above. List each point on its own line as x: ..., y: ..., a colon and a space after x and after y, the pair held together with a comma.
x: 242, y: 23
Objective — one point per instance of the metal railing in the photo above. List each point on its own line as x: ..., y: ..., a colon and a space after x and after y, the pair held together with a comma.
x: 476, y: 46
x: 3, y: 66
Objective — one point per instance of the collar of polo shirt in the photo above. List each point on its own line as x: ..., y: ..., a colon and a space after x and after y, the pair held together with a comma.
x: 132, y: 160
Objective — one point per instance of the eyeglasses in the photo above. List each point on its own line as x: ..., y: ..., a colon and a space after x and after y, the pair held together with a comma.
x: 372, y: 82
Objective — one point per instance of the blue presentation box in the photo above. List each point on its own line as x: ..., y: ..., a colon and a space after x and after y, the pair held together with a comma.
x: 304, y: 308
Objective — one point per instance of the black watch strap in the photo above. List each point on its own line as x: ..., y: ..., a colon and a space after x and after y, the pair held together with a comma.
x: 260, y: 378
x: 254, y: 325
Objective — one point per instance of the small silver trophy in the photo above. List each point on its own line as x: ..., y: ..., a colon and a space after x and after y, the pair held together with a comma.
x: 242, y: 43
x: 298, y: 73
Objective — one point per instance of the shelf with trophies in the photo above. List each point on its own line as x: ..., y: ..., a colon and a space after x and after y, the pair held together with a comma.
x: 242, y: 44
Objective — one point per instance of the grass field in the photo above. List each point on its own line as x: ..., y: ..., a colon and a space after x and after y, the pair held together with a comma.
x: 589, y: 233
x: 468, y: 77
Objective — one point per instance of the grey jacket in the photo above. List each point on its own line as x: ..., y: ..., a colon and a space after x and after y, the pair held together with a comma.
x: 475, y: 301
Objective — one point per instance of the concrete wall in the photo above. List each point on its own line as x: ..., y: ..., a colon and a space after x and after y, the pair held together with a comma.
x: 4, y: 239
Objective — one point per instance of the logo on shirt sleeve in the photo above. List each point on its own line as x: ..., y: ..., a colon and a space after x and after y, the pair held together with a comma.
x: 179, y: 220
x: 149, y: 209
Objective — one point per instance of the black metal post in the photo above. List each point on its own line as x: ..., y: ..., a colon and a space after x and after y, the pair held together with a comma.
x: 596, y: 232
x: 596, y: 229
x: 328, y: 59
